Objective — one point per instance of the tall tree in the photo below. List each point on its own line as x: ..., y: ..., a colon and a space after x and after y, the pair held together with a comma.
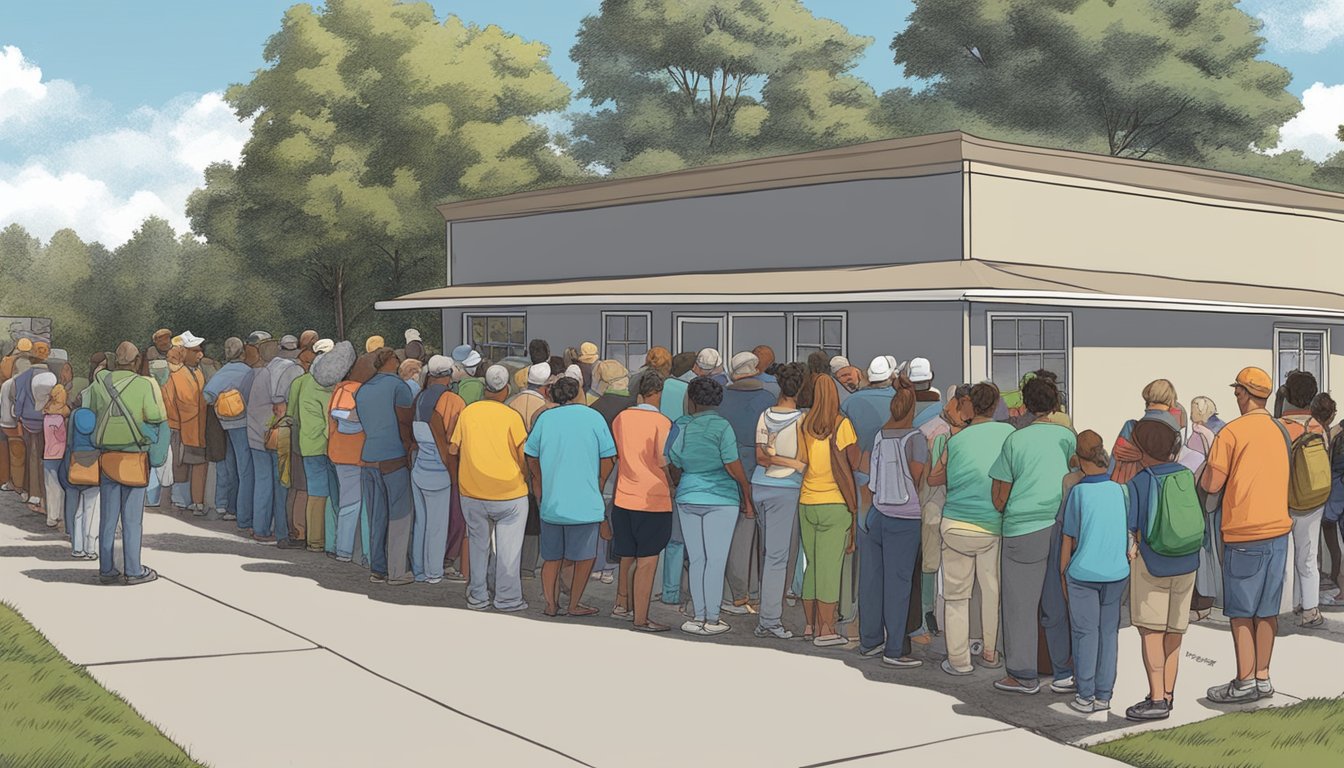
x: 369, y: 113
x: 1173, y: 78
x: 684, y: 81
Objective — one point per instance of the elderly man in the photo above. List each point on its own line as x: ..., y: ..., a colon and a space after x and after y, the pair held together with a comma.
x: 29, y: 415
x: 162, y: 341
x: 184, y: 401
x: 466, y: 383
x: 14, y: 364
x: 384, y: 407
x: 234, y: 482
x: 265, y: 405
x: 309, y: 397
x: 708, y: 362
x: 744, y: 400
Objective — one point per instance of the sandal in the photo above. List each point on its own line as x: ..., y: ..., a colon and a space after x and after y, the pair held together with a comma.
x: 830, y: 641
x: 651, y: 627
x: 561, y: 611
x: 807, y: 632
x: 583, y: 610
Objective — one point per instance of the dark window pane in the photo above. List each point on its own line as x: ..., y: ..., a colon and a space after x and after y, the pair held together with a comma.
x: 615, y: 328
x: 1311, y: 342
x: 1004, y: 373
x: 637, y: 328
x: 1059, y: 364
x: 832, y: 332
x: 807, y: 331
x: 1052, y: 336
x: 1027, y: 362
x: 1029, y: 334
x: 1004, y: 334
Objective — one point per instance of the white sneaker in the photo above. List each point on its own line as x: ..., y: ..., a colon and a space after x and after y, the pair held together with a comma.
x: 717, y: 628
x: 693, y: 627
x: 733, y: 608
x: 1067, y: 685
x: 977, y: 647
x: 779, y: 633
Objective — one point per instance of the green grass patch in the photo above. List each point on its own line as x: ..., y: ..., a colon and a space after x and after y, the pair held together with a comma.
x: 1307, y: 734
x: 54, y: 715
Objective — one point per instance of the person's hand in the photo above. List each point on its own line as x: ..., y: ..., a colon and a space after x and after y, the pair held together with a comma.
x: 849, y: 542
x: 604, y: 530
x: 1133, y: 550
x: 748, y: 511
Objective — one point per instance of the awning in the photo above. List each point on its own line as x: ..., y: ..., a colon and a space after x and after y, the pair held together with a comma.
x: 964, y: 280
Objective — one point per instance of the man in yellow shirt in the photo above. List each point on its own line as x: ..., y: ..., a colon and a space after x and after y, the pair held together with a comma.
x: 485, y: 458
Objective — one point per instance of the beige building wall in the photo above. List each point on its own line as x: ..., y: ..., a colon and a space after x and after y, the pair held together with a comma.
x: 1027, y: 217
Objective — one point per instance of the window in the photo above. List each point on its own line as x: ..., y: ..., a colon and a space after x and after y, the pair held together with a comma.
x: 625, y: 337
x: 1019, y: 344
x: 824, y: 331
x: 497, y: 336
x: 1300, y: 349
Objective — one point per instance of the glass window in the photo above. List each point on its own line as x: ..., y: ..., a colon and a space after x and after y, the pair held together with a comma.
x: 498, y: 336
x: 823, y: 331
x: 1020, y: 344
x: 626, y: 338
x: 1301, y: 350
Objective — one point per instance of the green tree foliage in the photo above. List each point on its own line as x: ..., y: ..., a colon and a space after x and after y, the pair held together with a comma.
x: 683, y: 82
x: 369, y: 113
x: 1176, y: 79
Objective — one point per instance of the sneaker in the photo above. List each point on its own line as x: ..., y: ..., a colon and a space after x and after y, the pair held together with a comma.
x: 1265, y: 688
x: 1011, y: 685
x: 779, y: 633
x: 1079, y: 704
x: 734, y: 608
x: 608, y: 577
x: 1147, y: 710
x: 77, y: 555
x: 378, y: 578
x: 513, y: 608
x: 227, y: 516
x: 90, y: 555
x: 114, y: 578
x: 876, y: 650
x: 452, y: 574
x: 951, y: 670
x: 717, y: 628
x: 977, y: 647
x: 148, y: 575
x: 693, y: 627
x: 1311, y: 619
x: 1235, y: 692
x: 343, y: 559
x: 263, y: 539
x: 290, y: 544
x: 1067, y: 685
x: 931, y: 621
x: 904, y: 662
x: 401, y: 582
x: 829, y: 641
x: 198, y: 512
x: 434, y: 580
x: 478, y: 606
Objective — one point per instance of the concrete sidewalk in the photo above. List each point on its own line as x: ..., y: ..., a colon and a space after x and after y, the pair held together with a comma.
x: 251, y: 656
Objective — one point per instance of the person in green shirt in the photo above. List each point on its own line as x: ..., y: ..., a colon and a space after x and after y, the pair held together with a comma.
x: 466, y: 383
x: 309, y: 397
x: 123, y: 429
x: 1028, y: 485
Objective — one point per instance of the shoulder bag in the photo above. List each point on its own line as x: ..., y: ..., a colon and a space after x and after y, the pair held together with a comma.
x: 128, y: 468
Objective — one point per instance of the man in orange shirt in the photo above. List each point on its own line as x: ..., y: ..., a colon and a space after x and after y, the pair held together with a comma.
x: 641, y: 512
x: 1248, y: 463
x: 184, y: 399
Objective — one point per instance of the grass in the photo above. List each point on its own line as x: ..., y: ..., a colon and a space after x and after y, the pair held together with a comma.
x: 54, y: 715
x: 1302, y: 736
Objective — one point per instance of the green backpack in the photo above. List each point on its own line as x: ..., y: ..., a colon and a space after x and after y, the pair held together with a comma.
x: 1175, y: 518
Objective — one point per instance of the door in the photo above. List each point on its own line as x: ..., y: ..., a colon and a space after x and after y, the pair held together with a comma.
x: 695, y: 332
x: 748, y: 330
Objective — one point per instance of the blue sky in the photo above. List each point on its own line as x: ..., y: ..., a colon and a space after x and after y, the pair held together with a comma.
x: 125, y: 109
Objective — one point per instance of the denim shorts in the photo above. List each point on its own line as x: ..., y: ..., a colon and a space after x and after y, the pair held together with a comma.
x: 318, y: 472
x: 575, y: 543
x: 1253, y: 576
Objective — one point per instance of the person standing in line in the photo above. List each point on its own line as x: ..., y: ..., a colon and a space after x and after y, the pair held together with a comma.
x: 1249, y: 465
x: 612, y: 385
x: 775, y: 487
x: 49, y: 396
x: 937, y: 431
x: 14, y: 364
x: 672, y: 404
x: 436, y: 412
x: 345, y: 446
x: 81, y: 500
x: 309, y: 399
x: 466, y: 383
x: 236, y: 480
x: 383, y: 405
x: 711, y: 490
x: 1028, y: 488
x: 184, y: 398
x: 29, y: 417
x: 160, y: 343
x: 868, y: 409
x: 1300, y: 389
x: 929, y: 401
x: 745, y: 399
x: 487, y: 465
x: 1323, y: 410
x: 765, y: 360
x: 529, y: 403
x: 127, y: 406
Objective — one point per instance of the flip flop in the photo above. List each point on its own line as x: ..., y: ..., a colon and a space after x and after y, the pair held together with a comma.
x: 650, y: 627
x: 584, y: 610
x: 561, y: 611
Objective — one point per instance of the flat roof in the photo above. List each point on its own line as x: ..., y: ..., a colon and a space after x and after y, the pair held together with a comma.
x: 951, y: 152
x: 965, y: 280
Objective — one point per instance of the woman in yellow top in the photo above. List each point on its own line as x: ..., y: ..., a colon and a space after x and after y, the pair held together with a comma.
x: 826, y: 508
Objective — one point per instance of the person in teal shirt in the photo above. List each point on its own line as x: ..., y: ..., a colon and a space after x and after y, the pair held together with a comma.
x: 1028, y: 488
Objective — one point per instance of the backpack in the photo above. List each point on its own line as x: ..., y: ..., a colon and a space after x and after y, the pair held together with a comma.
x: 229, y: 404
x: 891, y: 483
x: 1308, y: 470
x: 1175, y: 517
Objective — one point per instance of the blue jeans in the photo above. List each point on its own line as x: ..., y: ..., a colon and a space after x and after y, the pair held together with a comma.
x: 240, y: 477
x: 154, y: 491
x: 429, y: 537
x: 1094, y: 611
x: 708, y: 532
x: 387, y: 497
x: 351, y: 515
x: 1055, y: 612
x: 124, y: 504
x: 674, y: 560
x: 889, y: 604
x: 1253, y: 576
x: 268, y: 496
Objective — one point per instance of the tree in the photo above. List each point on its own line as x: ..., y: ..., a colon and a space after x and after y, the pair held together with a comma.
x: 370, y: 113
x: 686, y: 81
x: 1174, y: 78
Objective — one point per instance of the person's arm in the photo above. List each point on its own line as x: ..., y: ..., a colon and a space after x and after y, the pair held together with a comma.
x: 1219, y: 460
x: 917, y: 471
x: 734, y: 468
x: 939, y: 474
x: 1066, y: 545
x: 1000, y: 493
x: 604, y: 470
x: 534, y: 468
x: 763, y: 457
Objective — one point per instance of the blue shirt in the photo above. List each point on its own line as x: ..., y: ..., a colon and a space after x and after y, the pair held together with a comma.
x: 1097, y: 519
x: 376, y: 403
x: 673, y: 404
x: 1140, y: 497
x: 926, y: 411
x: 570, y: 442
x: 703, y: 444
x: 235, y: 375
x: 742, y: 406
x: 868, y: 409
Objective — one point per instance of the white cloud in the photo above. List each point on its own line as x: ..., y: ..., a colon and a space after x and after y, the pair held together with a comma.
x: 104, y: 180
x: 1303, y: 25
x: 1314, y: 129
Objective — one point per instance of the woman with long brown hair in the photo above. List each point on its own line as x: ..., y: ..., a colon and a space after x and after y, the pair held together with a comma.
x: 827, y: 507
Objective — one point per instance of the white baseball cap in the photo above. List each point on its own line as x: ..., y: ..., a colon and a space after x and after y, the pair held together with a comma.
x: 879, y: 370
x: 439, y: 365
x: 412, y: 335
x: 920, y: 370
x: 538, y: 374
x: 708, y: 359
x: 191, y: 340
x: 744, y: 364
x: 838, y: 362
x: 497, y: 378
x: 574, y: 373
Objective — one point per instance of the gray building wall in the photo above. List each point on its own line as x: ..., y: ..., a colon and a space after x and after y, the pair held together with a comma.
x: 873, y: 222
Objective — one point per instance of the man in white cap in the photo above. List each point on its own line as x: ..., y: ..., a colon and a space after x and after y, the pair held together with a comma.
x: 838, y: 362
x: 436, y: 412
x: 184, y: 400
x: 744, y: 400
x: 466, y: 383
x: 415, y: 346
x: 531, y: 401
x: 928, y: 401
x: 707, y: 362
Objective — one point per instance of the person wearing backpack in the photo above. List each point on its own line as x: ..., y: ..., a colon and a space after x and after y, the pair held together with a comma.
x: 226, y: 392
x: 889, y: 556
x: 51, y: 397
x: 1249, y: 465
x: 1308, y: 491
x: 775, y: 487
x: 1166, y: 529
x: 1323, y: 410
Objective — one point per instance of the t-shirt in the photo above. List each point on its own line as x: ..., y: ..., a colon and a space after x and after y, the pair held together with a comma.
x: 819, y: 485
x: 611, y: 403
x: 743, y: 404
x: 570, y: 442
x: 916, y: 452
x: 1035, y: 460
x: 260, y: 411
x: 1140, y: 496
x: 486, y: 439
x: 704, y: 443
x: 868, y: 409
x: 928, y: 409
x: 308, y: 403
x: 970, y: 454
x: 641, y: 436
x: 1096, y: 518
x: 1252, y: 453
x: 471, y: 389
x: 528, y: 404
x: 343, y: 448
x: 673, y: 403
x: 936, y: 433
x: 376, y: 403
x: 785, y: 426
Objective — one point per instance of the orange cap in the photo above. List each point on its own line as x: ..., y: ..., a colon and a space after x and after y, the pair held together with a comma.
x: 1255, y: 380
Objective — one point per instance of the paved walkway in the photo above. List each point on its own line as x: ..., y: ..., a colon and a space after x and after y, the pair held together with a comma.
x: 248, y: 655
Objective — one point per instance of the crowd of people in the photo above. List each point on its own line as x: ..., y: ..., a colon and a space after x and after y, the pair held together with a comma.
x: 892, y: 511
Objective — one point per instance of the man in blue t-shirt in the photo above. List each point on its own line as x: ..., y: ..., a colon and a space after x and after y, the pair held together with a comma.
x: 384, y: 407
x: 570, y: 454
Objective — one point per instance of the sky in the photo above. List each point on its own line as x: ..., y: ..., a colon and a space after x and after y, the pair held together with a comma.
x: 110, y: 112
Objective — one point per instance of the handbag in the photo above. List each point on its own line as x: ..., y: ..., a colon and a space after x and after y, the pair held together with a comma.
x: 278, y: 434
x: 84, y: 468
x: 229, y: 404
x: 128, y: 468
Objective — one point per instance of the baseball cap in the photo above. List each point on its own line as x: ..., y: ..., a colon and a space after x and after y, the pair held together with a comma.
x: 233, y: 349
x: 322, y: 346
x: 439, y: 365
x: 373, y: 343
x: 708, y: 359
x: 497, y: 378
x: 838, y: 362
x: 879, y: 370
x: 466, y: 356
x: 191, y: 340
x: 126, y: 353
x: 574, y: 373
x: 412, y: 335
x: 920, y: 370
x: 256, y: 337
x: 538, y: 374
x: 744, y: 364
x: 1255, y: 380
x: 588, y: 353
x: 610, y: 371
x: 289, y: 342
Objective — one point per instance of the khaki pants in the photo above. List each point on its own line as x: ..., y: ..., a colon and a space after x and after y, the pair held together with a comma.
x: 18, y: 468
x: 970, y: 559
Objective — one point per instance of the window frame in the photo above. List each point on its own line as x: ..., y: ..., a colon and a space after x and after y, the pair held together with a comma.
x: 1324, y: 332
x: 794, y: 317
x: 1067, y: 317
x: 648, y: 329
x: 467, y: 317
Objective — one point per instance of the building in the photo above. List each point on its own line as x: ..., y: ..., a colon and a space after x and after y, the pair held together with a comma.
x: 990, y: 259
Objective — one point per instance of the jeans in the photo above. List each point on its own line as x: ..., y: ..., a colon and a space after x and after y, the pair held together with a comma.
x: 1055, y: 612
x: 54, y: 493
x: 1306, y: 565
x: 429, y: 539
x: 506, y: 520
x: 674, y: 563
x: 777, y: 520
x: 743, y: 567
x: 83, y: 534
x: 240, y: 477
x: 889, y: 564
x: 153, y: 491
x: 390, y: 520
x: 708, y: 533
x: 351, y: 515
x: 124, y: 504
x: 268, y: 496
x: 1094, y: 612
x: 1021, y: 582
